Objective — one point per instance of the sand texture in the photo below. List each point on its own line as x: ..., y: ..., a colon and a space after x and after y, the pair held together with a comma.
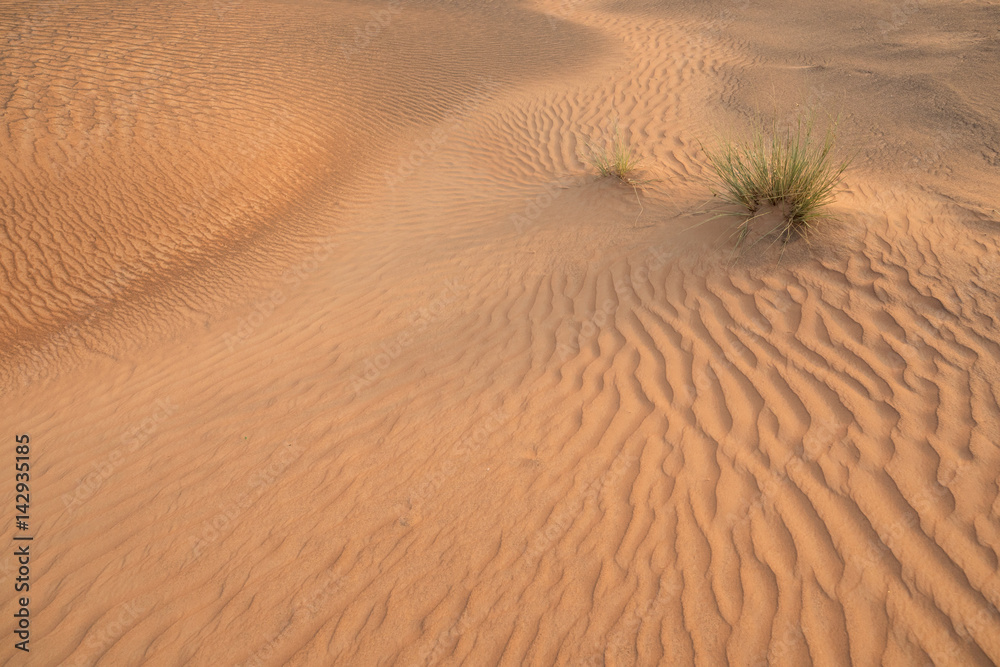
x: 334, y: 351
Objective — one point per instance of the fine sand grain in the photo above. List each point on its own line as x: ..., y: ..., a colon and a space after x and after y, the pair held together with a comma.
x: 333, y: 349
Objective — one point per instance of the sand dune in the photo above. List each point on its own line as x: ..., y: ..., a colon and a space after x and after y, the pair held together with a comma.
x: 332, y: 350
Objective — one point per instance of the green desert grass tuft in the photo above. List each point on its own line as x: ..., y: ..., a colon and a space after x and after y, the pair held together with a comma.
x: 616, y: 160
x: 786, y: 169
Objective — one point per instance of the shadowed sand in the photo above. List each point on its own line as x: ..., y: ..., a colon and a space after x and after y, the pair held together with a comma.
x: 333, y: 351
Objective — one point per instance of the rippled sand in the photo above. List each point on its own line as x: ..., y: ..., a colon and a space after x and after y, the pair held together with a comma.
x: 333, y: 351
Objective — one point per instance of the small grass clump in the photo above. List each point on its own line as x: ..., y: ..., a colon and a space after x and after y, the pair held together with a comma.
x: 785, y: 169
x: 616, y: 160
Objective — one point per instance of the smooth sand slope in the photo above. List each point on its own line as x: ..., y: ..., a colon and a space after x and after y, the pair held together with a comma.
x: 333, y: 351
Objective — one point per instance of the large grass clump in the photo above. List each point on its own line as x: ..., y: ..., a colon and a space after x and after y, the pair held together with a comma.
x: 787, y: 170
x: 616, y: 160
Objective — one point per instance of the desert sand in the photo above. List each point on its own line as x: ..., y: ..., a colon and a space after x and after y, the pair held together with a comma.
x: 333, y: 351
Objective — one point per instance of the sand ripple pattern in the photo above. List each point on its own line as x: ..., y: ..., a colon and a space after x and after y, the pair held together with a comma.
x: 159, y: 160
x: 479, y: 432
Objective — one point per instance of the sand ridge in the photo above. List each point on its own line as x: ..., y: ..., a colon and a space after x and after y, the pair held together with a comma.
x: 451, y: 398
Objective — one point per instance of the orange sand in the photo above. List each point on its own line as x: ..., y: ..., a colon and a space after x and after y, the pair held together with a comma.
x: 333, y: 351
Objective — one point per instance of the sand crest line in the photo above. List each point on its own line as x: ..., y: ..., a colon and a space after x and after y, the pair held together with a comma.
x: 560, y: 522
x: 304, y: 609
x: 211, y: 530
x: 391, y: 349
x: 433, y: 480
x: 104, y: 468
x: 666, y: 594
x: 108, y: 633
x: 815, y: 441
x: 267, y: 305
x: 443, y: 132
